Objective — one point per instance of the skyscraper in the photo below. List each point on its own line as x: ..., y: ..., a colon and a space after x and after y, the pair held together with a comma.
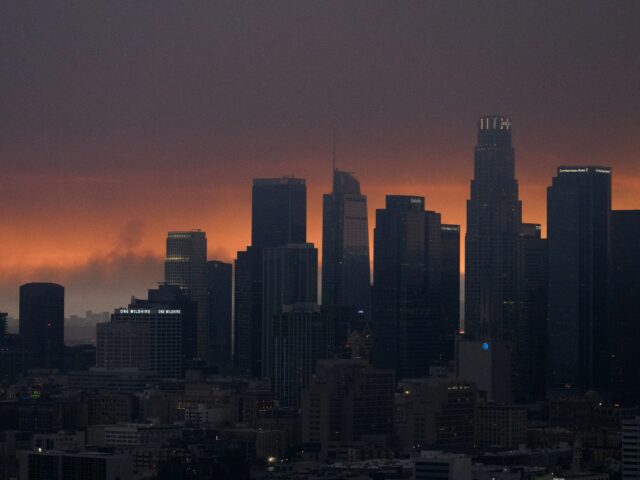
x: 578, y: 212
x: 440, y: 338
x: 450, y: 285
x: 42, y: 324
x: 289, y: 276
x: 401, y: 328
x: 301, y: 337
x: 494, y: 215
x: 186, y: 266
x: 146, y: 338
x: 529, y: 379
x: 345, y: 245
x: 219, y: 286
x: 624, y: 286
x: 247, y: 299
x: 411, y: 330
x: 172, y: 297
x: 279, y: 217
x: 279, y: 212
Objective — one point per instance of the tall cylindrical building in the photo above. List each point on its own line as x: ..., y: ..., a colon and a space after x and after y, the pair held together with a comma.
x: 42, y: 324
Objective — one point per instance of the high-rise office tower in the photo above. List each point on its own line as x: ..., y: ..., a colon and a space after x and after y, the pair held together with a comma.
x: 279, y: 217
x: 146, y: 338
x: 219, y: 286
x: 172, y: 297
x: 247, y: 341
x: 186, y: 266
x: 346, y: 278
x: 450, y: 286
x: 279, y: 212
x: 42, y: 324
x: 440, y: 337
x: 494, y: 215
x: 401, y: 327
x: 624, y: 307
x: 529, y: 380
x: 289, y: 276
x: 408, y: 333
x: 301, y: 337
x: 578, y: 213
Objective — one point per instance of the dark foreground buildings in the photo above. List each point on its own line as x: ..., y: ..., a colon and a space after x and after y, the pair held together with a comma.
x: 578, y: 215
x: 42, y: 324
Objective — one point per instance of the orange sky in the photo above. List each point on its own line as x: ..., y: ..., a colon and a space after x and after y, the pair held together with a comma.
x: 80, y: 228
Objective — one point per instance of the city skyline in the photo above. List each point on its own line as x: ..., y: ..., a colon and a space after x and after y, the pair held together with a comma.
x: 154, y: 136
x: 130, y: 246
x: 302, y: 239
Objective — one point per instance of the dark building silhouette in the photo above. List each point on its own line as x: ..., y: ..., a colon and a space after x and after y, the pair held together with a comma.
x: 440, y: 339
x: 172, y: 297
x: 346, y: 402
x: 146, y: 338
x: 186, y: 266
x: 494, y: 215
x: 529, y: 381
x: 435, y: 413
x: 347, y: 324
x: 409, y: 328
x: 401, y: 327
x: 42, y: 324
x: 219, y: 289
x: 247, y: 353
x: 578, y: 212
x: 279, y: 212
x: 289, y: 276
x: 624, y: 306
x: 346, y: 273
x: 279, y: 217
x: 301, y: 337
x: 487, y: 365
x: 450, y: 286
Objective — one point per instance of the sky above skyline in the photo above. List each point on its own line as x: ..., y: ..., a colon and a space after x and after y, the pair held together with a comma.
x: 121, y: 121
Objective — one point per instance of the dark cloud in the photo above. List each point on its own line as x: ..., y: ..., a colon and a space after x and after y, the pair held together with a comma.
x: 105, y: 281
x: 237, y: 84
x: 131, y: 236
